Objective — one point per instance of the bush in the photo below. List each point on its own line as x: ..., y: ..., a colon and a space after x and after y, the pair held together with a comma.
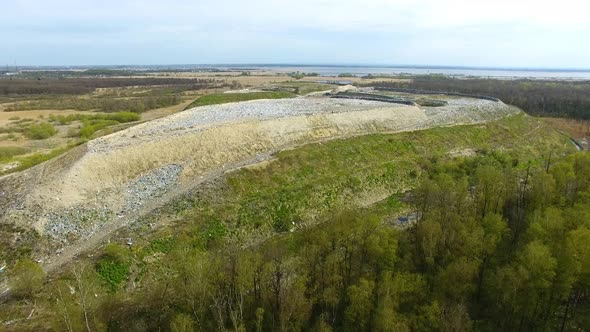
x: 37, y: 158
x: 116, y: 253
x: 27, y: 278
x: 91, y: 127
x: 346, y: 75
x: 40, y: 131
x: 113, y: 267
x: 112, y: 272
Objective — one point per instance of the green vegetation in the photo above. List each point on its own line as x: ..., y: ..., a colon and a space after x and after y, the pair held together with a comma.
x: 431, y: 102
x: 299, y: 75
x: 37, y: 158
x: 310, y: 242
x: 110, y: 72
x: 570, y: 99
x: 342, y: 75
x: 7, y: 152
x: 40, y: 131
x: 27, y: 278
x: 222, y: 98
x: 62, y: 83
x: 91, y: 123
x: 120, y: 117
x: 113, y: 267
x: 306, y: 183
x: 303, y: 87
x: 17, y: 126
x: 103, y: 104
x: 31, y: 160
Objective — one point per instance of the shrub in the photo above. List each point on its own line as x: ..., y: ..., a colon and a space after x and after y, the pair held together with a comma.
x: 37, y: 158
x: 113, y: 267
x: 346, y: 75
x: 117, y: 253
x: 40, y: 131
x: 112, y: 272
x: 121, y: 117
x: 91, y: 127
x: 27, y: 278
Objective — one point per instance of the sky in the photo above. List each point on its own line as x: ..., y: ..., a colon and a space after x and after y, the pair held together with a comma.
x: 500, y: 33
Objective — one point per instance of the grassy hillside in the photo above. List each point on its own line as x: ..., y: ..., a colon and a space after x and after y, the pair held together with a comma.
x: 222, y: 98
x: 303, y: 184
x: 274, y: 209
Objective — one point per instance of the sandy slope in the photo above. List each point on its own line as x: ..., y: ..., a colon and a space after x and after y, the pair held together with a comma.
x: 79, y: 198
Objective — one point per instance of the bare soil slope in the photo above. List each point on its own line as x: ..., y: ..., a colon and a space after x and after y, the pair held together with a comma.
x: 79, y: 198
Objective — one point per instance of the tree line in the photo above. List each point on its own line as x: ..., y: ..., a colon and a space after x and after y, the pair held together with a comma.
x: 495, y: 246
x: 77, y: 86
x: 570, y: 99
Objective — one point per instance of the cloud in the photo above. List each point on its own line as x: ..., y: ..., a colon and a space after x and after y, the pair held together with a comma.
x: 384, y: 31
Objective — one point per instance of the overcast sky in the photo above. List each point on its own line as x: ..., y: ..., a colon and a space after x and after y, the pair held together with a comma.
x: 501, y: 33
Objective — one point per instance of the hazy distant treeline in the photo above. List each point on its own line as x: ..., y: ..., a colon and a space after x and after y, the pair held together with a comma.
x: 87, y: 85
x: 542, y: 98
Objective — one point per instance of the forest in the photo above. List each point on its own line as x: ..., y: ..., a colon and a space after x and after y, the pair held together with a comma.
x: 495, y: 246
x: 569, y: 99
x: 78, y: 86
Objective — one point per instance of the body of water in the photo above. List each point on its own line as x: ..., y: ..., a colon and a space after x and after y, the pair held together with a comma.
x: 505, y: 73
x: 358, y: 70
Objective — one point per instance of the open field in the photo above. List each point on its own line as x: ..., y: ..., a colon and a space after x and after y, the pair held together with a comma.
x: 7, y: 117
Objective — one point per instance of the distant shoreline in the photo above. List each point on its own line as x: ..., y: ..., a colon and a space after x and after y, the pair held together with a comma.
x: 355, y: 70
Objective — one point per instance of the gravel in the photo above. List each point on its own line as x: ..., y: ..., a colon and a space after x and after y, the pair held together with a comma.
x: 73, y: 223
x: 70, y: 224
x: 151, y: 185
x: 200, y: 118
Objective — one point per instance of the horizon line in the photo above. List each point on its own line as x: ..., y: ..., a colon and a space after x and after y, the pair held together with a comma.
x: 288, y: 64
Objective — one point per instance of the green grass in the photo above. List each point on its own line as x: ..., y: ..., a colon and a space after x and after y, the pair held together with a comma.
x: 104, y: 104
x: 305, y: 184
x: 91, y: 127
x: 120, y: 117
x: 35, y: 159
x: 91, y: 123
x: 40, y: 131
x: 222, y: 98
x: 113, y: 273
x: 431, y: 102
x: 303, y: 88
x: 7, y: 152
x: 113, y: 266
